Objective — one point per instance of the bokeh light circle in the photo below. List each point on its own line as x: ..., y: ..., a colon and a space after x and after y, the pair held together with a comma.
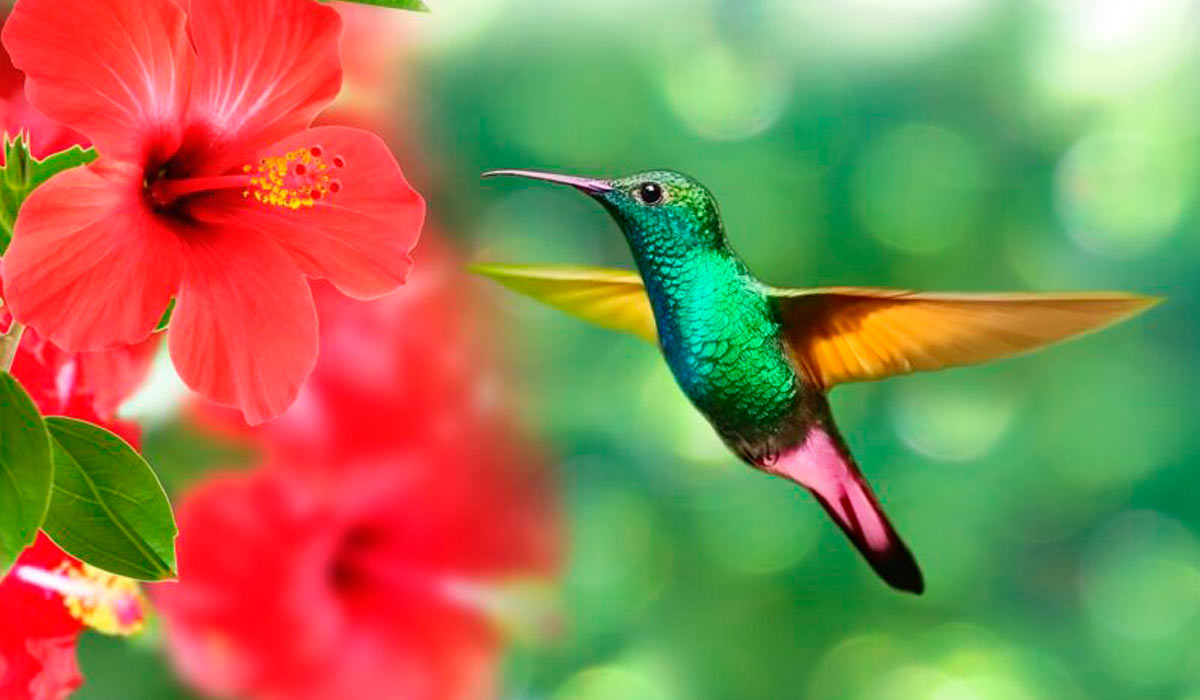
x: 885, y: 29
x: 611, y: 681
x: 919, y: 188
x: 722, y: 96
x: 952, y: 421
x: 1107, y: 48
x: 1140, y: 576
x: 1121, y: 194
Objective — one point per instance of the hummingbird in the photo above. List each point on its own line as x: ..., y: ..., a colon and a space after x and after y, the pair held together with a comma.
x: 758, y: 361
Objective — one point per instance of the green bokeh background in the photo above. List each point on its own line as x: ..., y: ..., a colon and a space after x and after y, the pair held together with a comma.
x: 1052, y: 500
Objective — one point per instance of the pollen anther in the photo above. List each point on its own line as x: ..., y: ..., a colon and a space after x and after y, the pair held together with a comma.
x: 292, y: 180
x: 113, y: 604
x: 107, y: 603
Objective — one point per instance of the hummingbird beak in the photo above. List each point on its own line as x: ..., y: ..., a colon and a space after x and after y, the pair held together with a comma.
x: 586, y: 185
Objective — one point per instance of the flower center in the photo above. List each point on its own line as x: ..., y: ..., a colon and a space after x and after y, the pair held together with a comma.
x: 107, y: 603
x: 294, y: 180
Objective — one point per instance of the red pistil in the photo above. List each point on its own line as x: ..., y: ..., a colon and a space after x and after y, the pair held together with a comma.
x: 164, y: 191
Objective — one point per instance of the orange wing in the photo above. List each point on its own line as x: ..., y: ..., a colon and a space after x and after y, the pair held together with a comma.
x: 851, y: 334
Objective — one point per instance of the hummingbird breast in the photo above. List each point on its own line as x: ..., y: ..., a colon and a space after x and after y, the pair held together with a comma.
x: 721, y: 337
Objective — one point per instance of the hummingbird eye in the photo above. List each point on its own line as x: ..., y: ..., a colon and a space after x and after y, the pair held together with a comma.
x: 650, y: 193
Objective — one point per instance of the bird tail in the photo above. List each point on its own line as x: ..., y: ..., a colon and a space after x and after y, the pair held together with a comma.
x: 823, y: 465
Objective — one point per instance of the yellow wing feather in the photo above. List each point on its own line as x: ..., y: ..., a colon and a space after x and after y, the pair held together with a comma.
x: 613, y: 299
x: 850, y: 334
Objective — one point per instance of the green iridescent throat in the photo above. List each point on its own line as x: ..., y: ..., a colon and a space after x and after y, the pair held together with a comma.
x: 719, y: 331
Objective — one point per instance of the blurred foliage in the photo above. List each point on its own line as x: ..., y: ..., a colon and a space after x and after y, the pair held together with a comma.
x: 936, y: 144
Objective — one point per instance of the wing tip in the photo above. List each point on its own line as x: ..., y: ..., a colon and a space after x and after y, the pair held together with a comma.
x: 1142, y: 302
x: 507, y: 274
x: 1127, y: 305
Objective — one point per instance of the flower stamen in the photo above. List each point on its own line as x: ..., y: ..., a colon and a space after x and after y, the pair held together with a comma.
x: 293, y: 180
x: 107, y: 603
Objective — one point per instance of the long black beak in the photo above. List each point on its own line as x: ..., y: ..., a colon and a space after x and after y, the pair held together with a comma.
x: 583, y: 184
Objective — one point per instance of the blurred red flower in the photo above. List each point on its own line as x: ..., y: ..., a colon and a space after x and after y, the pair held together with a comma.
x: 379, y: 580
x: 373, y: 86
x: 396, y: 531
x: 209, y: 187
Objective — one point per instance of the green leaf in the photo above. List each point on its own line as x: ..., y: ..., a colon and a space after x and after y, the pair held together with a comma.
x: 22, y: 172
x: 414, y: 5
x: 107, y: 506
x: 26, y: 470
x: 165, y: 319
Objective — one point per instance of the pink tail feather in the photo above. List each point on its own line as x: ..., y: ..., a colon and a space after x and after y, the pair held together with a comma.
x: 823, y: 466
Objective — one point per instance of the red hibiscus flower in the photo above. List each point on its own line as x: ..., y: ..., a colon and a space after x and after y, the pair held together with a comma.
x: 209, y: 188
x: 383, y: 579
x: 46, y: 600
x: 395, y: 534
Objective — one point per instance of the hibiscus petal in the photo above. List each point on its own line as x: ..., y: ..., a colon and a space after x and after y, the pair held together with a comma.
x: 244, y: 330
x: 264, y: 69
x: 360, y: 236
x: 90, y: 266
x: 116, y: 71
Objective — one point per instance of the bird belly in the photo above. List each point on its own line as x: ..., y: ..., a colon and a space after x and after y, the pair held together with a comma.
x: 744, y: 384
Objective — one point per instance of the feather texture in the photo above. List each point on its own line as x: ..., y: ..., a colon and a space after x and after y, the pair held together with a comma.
x: 849, y: 334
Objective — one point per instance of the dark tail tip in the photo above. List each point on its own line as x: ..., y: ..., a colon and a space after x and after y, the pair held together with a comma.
x: 897, y: 567
x: 883, y: 549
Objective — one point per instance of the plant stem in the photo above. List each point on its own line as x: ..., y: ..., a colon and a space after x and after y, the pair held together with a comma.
x: 8, y: 344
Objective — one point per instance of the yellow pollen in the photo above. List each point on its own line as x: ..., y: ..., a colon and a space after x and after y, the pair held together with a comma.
x: 111, y: 604
x: 293, y: 180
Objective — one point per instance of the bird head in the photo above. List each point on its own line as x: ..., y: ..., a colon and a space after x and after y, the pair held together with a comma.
x: 659, y: 210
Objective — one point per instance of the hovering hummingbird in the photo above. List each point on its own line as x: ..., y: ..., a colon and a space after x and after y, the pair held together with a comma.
x: 758, y: 361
